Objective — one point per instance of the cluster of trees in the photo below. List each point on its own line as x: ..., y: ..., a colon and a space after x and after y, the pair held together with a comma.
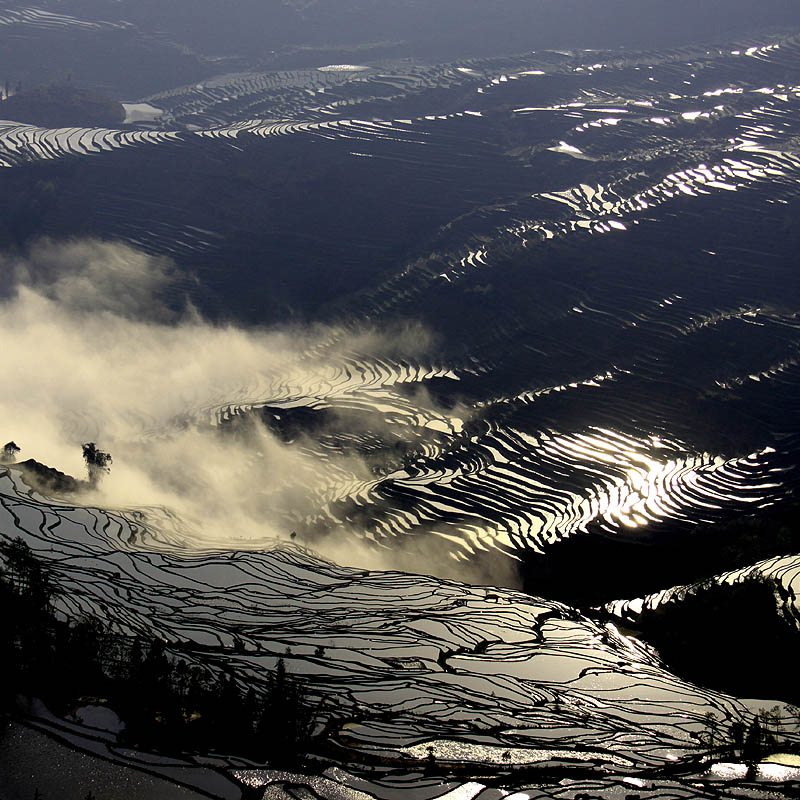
x: 751, y: 743
x: 10, y: 451
x: 98, y: 462
x: 170, y: 699
x: 46, y: 479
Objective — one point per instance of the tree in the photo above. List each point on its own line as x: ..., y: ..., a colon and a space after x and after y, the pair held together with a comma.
x: 25, y: 575
x: 10, y: 450
x: 97, y: 462
x: 430, y: 760
x: 710, y: 736
x: 287, y: 720
x: 166, y: 700
x: 78, y: 648
x: 753, y: 741
x: 26, y: 641
x: 738, y: 734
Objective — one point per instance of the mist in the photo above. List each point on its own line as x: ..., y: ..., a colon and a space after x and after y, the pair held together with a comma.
x: 98, y: 355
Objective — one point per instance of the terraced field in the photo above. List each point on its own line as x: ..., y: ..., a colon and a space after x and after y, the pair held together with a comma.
x: 586, y: 264
x: 558, y: 210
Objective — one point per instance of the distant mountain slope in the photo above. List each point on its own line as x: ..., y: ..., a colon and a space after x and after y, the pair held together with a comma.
x: 737, y: 631
x: 62, y: 106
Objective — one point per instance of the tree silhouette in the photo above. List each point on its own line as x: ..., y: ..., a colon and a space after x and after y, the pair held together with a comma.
x: 10, y: 450
x: 97, y: 462
x: 169, y: 695
x: 26, y: 643
x: 750, y: 742
x: 25, y: 575
x: 286, y: 724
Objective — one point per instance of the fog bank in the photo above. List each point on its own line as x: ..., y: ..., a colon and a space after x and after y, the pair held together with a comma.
x: 97, y: 356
